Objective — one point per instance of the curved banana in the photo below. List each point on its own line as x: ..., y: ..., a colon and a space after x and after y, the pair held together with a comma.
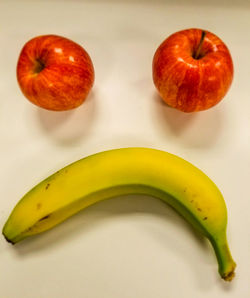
x: 120, y: 172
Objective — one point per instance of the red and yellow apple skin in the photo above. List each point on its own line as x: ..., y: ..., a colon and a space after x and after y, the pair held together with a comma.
x: 55, y: 73
x: 192, y: 70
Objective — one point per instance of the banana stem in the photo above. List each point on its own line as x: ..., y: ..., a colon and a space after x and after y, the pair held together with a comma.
x: 225, y: 260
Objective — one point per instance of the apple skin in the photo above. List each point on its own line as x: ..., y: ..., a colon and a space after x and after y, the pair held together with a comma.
x: 54, y: 72
x: 192, y: 84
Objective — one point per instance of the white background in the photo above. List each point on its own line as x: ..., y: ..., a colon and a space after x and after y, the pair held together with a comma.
x: 132, y: 247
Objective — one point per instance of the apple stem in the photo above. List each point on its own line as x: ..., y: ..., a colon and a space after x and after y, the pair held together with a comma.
x: 39, y: 66
x: 198, y: 51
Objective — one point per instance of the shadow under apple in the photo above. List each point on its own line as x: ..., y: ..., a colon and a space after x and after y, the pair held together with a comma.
x: 195, y: 130
x: 69, y: 127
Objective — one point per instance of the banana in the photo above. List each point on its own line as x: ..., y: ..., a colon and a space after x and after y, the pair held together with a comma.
x: 120, y: 172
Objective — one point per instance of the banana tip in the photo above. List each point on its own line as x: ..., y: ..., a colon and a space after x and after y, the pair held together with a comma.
x: 229, y: 276
x: 8, y: 240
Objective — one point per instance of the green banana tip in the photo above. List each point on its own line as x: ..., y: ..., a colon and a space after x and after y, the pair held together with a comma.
x: 230, y: 274
x: 229, y: 277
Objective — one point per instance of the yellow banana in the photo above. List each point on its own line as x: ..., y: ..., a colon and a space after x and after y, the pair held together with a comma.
x: 120, y: 172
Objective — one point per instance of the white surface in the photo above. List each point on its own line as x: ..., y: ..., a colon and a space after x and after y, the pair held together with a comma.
x: 132, y: 247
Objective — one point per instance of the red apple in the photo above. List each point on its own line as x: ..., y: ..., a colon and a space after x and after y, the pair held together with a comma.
x: 54, y: 72
x: 192, y: 70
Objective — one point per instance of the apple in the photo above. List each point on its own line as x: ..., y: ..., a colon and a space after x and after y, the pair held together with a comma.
x: 54, y: 72
x: 192, y: 70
